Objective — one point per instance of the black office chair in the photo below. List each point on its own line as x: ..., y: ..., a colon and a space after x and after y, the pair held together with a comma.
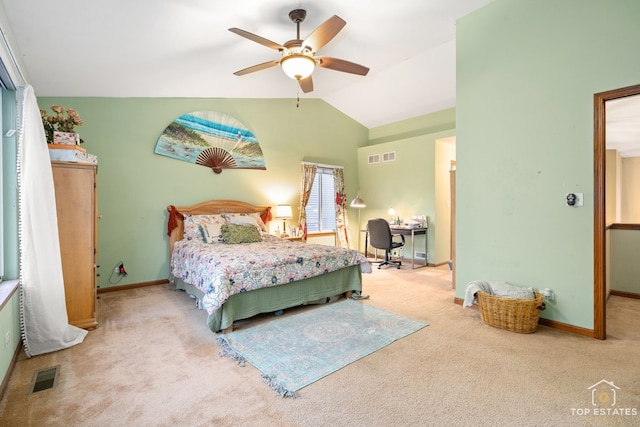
x: 380, y: 237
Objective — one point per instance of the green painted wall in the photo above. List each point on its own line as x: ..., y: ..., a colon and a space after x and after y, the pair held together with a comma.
x: 526, y: 75
x: 624, y: 268
x: 422, y: 125
x: 9, y: 322
x: 523, y: 124
x: 408, y: 185
x: 135, y: 185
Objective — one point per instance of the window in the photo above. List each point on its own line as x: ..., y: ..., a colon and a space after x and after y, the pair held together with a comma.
x: 321, y: 209
x: 9, y: 250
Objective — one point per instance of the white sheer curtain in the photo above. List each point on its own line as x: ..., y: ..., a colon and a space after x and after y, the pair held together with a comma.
x: 45, y: 325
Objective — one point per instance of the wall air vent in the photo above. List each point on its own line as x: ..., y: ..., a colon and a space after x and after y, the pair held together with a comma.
x: 374, y: 158
x: 389, y: 156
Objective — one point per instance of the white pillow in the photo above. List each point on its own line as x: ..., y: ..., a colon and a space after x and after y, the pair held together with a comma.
x: 243, y: 220
x: 247, y: 219
x: 193, y: 225
x: 211, y: 232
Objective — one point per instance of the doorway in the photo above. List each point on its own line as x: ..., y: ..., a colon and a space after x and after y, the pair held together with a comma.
x: 599, y: 227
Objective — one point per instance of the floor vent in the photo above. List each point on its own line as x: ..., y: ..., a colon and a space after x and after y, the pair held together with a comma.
x: 44, y: 379
x: 422, y: 255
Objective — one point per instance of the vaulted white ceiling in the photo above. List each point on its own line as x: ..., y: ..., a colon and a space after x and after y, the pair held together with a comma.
x: 182, y: 48
x: 623, y: 125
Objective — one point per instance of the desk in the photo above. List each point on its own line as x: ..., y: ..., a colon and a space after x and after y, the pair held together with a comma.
x: 414, y: 231
x: 407, y: 232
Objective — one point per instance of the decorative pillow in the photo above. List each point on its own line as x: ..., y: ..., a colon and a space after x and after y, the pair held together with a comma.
x: 252, y: 218
x: 240, y: 234
x: 193, y: 225
x: 211, y: 232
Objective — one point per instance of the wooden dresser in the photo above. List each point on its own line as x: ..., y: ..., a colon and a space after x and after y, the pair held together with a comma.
x: 76, y: 205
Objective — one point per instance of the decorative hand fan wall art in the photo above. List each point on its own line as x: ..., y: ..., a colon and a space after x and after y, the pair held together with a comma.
x: 211, y: 139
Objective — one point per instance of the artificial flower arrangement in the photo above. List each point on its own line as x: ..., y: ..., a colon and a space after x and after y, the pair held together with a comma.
x: 64, y: 120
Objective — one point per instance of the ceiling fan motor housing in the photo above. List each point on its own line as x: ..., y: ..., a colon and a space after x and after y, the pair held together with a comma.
x: 297, y: 15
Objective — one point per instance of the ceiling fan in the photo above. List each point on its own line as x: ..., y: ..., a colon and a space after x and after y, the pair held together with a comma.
x: 299, y: 56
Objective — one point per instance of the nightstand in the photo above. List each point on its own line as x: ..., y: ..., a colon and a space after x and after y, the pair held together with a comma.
x: 294, y: 238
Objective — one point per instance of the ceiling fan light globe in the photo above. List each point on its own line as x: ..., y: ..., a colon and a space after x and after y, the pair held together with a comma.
x: 298, y: 66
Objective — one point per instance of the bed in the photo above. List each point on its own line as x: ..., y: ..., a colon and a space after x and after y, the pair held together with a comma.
x: 238, y: 281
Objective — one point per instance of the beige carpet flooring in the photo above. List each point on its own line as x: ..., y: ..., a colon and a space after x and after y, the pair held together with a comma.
x: 153, y: 362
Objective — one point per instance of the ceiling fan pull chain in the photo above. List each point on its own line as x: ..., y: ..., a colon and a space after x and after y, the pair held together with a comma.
x: 298, y: 95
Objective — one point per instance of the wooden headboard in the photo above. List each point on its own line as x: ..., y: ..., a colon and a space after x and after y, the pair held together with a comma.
x: 175, y: 224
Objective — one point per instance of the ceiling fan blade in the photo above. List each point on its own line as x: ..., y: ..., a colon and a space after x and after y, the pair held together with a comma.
x: 306, y: 84
x: 255, y: 68
x: 324, y: 33
x: 342, y: 65
x: 257, y: 39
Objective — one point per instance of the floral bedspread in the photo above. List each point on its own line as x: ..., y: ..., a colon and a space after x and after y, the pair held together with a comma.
x: 221, y: 270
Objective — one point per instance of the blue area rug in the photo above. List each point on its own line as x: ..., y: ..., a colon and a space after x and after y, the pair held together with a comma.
x: 294, y: 351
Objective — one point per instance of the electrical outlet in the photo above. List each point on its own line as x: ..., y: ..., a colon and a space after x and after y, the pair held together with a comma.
x: 120, y: 269
x: 7, y: 339
x: 548, y: 294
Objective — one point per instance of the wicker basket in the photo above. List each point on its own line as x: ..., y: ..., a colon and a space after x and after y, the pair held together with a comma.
x: 515, y: 315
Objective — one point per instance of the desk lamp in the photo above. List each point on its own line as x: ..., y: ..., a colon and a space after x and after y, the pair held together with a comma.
x: 392, y: 215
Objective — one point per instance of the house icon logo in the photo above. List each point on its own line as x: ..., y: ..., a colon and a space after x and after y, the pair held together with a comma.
x: 604, y: 393
x: 604, y: 398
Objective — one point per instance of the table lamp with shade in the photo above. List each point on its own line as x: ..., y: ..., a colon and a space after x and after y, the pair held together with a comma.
x: 284, y: 212
x: 358, y: 203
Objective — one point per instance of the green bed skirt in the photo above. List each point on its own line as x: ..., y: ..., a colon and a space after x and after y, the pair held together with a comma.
x: 274, y: 298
